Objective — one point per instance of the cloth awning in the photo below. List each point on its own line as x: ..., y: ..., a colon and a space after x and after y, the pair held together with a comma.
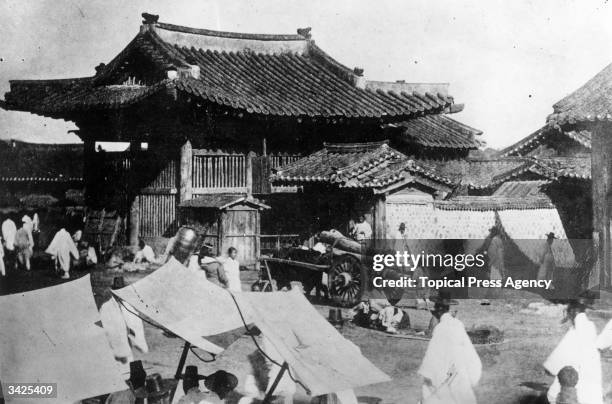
x: 193, y: 308
x: 184, y: 303
x: 318, y: 355
x: 52, y: 335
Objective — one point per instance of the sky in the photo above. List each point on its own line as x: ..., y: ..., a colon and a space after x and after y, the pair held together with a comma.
x: 507, y: 61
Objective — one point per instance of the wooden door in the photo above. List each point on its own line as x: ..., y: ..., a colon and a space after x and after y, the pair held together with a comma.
x: 241, y: 230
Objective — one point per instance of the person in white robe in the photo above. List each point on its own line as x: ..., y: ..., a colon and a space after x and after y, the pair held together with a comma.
x: 9, y: 229
x: 28, y: 224
x: 231, y: 267
x: 61, y: 248
x: 362, y: 230
x: 145, y: 253
x: 35, y: 223
x: 578, y: 349
x: 451, y: 367
x: 2, y: 266
x: 24, y: 245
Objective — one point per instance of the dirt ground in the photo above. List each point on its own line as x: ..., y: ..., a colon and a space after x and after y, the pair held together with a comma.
x: 512, y: 371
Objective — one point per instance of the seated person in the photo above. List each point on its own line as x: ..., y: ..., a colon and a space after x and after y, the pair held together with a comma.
x: 212, y: 266
x: 145, y: 253
x: 380, y: 314
x: 87, y: 256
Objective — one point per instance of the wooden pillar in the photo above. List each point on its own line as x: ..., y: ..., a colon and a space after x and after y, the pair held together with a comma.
x: 249, y: 172
x: 185, y: 172
x: 134, y: 222
x: 602, y: 202
x: 133, y: 198
x: 380, y: 219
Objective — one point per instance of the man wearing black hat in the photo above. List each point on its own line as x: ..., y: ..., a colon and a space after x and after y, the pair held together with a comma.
x: 218, y: 386
x: 451, y: 366
x: 578, y: 349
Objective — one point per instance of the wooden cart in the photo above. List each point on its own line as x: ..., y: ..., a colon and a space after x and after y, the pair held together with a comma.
x: 347, y: 276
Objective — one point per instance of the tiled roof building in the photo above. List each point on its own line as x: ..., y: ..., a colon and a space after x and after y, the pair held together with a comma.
x: 270, y: 75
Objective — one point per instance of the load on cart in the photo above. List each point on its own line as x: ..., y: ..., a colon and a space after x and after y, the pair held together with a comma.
x: 337, y: 265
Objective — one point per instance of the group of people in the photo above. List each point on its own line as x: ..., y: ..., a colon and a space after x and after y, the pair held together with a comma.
x: 224, y: 270
x: 154, y: 389
x: 18, y: 244
x: 66, y: 250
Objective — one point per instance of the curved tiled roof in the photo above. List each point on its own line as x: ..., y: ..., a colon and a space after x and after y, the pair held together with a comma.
x: 591, y: 102
x: 357, y: 165
x: 491, y: 203
x: 566, y: 167
x: 62, y: 96
x: 278, y: 75
x: 521, y: 189
x: 439, y: 131
x: 532, y: 141
x: 480, y: 174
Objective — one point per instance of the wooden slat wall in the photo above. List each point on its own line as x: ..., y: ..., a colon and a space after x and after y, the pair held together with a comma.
x: 157, y: 214
x: 167, y: 177
x: 219, y: 171
x: 279, y: 160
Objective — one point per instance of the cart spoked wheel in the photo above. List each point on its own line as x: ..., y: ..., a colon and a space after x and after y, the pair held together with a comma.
x: 347, y: 280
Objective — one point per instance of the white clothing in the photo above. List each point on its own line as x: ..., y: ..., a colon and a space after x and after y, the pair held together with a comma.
x: 123, y: 329
x: 92, y: 257
x: 2, y: 267
x: 61, y: 248
x: 390, y: 318
x: 9, y: 229
x: 145, y: 255
x: 578, y: 348
x: 362, y: 231
x: 451, y: 363
x: 29, y: 226
x: 77, y: 236
x: 320, y: 247
x: 35, y: 223
x: 116, y: 330
x: 232, y: 273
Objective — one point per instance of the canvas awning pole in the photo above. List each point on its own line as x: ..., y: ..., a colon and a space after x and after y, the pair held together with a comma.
x: 179, y: 370
x: 280, y: 374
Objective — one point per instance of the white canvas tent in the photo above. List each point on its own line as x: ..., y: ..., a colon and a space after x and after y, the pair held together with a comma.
x: 52, y: 335
x: 193, y: 308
